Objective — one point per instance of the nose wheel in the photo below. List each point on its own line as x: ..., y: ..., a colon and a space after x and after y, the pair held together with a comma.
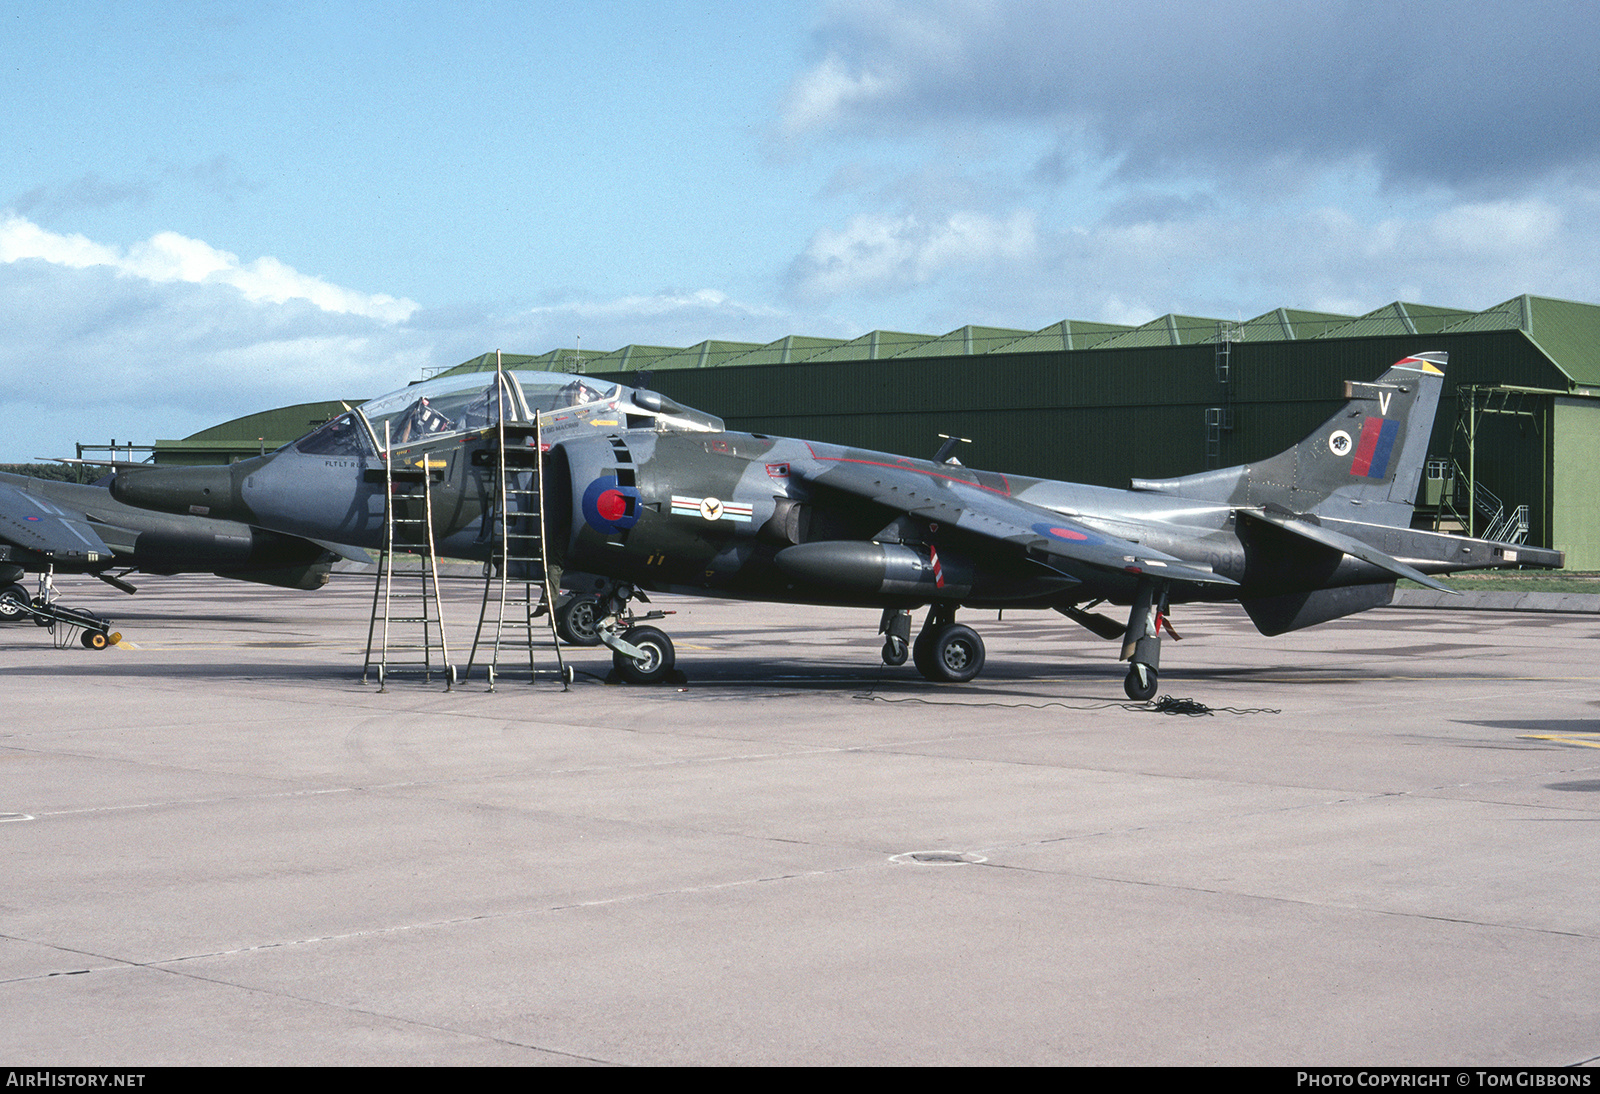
x: 654, y: 661
x: 639, y: 655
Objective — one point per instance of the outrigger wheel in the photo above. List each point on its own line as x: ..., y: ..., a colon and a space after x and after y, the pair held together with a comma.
x: 1140, y: 683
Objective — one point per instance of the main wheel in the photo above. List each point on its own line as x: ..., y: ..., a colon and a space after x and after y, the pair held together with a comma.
x: 577, y: 620
x: 1141, y: 683
x: 953, y: 654
x: 658, y: 659
x: 13, y: 598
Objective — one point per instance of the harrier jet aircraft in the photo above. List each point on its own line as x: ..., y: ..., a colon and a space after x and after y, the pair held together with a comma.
x: 642, y: 494
x: 64, y: 527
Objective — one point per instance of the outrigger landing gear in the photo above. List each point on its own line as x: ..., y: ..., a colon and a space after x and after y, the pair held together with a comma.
x: 895, y: 626
x: 639, y: 655
x: 1141, y: 645
x: 945, y: 651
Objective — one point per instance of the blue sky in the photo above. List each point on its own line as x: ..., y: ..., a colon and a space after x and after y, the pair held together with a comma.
x: 207, y: 209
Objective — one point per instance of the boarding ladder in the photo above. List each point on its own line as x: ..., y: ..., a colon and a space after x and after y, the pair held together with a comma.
x: 407, y: 629
x: 517, y: 579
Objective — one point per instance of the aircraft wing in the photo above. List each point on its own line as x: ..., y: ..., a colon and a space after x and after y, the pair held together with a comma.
x: 39, y: 525
x: 1042, y: 535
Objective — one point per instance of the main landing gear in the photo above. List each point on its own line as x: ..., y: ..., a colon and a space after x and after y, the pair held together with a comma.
x: 578, y: 619
x: 639, y: 654
x: 945, y: 651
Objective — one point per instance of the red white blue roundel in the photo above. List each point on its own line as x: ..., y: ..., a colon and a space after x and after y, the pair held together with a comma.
x: 610, y: 508
x: 1056, y: 531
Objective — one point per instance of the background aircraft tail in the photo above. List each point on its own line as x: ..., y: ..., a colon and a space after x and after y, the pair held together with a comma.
x: 1363, y: 464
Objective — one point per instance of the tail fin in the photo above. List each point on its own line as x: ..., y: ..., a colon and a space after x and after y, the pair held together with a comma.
x: 1364, y: 463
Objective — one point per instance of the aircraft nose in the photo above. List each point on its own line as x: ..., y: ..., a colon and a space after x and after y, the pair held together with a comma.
x: 201, y: 491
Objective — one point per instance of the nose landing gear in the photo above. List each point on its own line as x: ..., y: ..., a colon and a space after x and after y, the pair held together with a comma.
x: 639, y: 654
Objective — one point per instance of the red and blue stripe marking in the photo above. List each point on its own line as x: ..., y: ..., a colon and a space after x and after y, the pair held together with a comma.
x: 1375, y: 447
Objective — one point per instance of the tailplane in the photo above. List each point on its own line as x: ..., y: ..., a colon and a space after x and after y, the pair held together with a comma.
x: 1363, y: 464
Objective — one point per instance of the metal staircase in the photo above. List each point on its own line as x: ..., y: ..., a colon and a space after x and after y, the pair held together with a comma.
x: 406, y: 633
x: 517, y: 578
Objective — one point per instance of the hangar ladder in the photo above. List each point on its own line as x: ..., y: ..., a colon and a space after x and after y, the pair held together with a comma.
x: 408, y: 528
x: 517, y: 566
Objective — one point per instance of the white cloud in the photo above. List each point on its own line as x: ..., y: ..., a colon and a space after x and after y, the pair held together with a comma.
x: 879, y: 254
x: 825, y: 95
x: 170, y: 257
x: 172, y: 335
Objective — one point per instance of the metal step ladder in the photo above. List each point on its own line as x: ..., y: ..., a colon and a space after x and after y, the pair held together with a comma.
x: 518, y: 576
x: 407, y: 629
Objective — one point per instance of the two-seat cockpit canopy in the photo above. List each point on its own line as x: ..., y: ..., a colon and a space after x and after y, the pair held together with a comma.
x: 468, y: 402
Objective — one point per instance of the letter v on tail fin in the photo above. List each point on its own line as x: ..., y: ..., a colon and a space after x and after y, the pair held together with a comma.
x: 1363, y: 464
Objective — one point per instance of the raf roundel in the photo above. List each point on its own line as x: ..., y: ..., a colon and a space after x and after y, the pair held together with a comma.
x: 609, y: 507
x: 1057, y: 532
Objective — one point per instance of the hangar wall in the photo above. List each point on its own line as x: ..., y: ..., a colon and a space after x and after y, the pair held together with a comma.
x: 1576, y: 473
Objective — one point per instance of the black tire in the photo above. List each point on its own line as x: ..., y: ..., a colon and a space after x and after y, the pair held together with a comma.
x: 894, y: 652
x: 94, y: 640
x: 40, y: 620
x: 12, y: 601
x: 953, y: 654
x: 578, y: 619
x: 657, y: 662
x: 1140, y: 686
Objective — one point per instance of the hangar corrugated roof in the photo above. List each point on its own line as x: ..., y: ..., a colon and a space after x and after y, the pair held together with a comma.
x: 629, y: 357
x: 1169, y: 330
x: 965, y: 341
x: 485, y: 362
x: 785, y: 351
x: 707, y: 354
x: 1399, y: 318
x: 285, y: 421
x: 1289, y: 325
x: 1069, y: 334
x: 873, y: 346
x: 1567, y: 332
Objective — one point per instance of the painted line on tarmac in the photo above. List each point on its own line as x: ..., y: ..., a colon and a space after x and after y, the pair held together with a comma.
x: 1583, y: 740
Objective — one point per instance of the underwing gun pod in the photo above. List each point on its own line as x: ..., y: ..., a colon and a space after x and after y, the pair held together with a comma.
x: 641, y: 495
